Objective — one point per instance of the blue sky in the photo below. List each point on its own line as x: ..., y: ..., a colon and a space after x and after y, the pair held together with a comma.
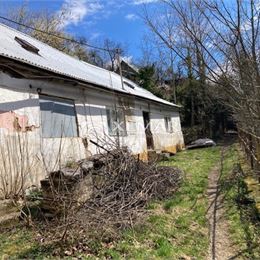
x: 118, y: 20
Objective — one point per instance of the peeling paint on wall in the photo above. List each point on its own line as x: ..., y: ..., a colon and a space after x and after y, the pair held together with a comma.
x: 14, y: 122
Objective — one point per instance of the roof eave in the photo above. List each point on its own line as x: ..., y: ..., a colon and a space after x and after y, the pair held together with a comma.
x: 83, y: 82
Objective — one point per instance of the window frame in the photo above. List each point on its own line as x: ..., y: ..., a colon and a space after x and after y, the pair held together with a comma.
x: 59, y: 99
x: 110, y: 121
x: 168, y: 124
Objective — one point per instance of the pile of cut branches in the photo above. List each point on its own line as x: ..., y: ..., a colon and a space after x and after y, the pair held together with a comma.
x: 122, y: 188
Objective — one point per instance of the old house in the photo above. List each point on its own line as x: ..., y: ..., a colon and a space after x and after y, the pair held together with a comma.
x: 52, y: 106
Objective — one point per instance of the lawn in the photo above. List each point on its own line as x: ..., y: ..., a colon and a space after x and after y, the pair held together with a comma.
x: 176, y: 228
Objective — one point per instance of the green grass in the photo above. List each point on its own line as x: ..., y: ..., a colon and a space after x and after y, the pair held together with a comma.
x: 176, y: 227
x: 15, y: 243
x: 243, y: 219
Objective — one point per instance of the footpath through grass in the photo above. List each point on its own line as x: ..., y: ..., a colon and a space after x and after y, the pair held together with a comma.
x: 240, y: 211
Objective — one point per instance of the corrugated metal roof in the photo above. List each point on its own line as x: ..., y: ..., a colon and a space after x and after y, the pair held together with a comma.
x: 58, y: 62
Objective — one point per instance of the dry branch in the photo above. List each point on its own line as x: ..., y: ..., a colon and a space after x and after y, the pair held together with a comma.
x: 121, y: 188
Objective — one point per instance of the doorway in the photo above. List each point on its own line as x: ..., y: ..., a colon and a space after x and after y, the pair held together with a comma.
x: 148, y: 132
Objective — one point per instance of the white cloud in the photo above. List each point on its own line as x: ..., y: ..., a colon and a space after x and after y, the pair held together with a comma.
x: 74, y: 11
x: 139, y: 2
x: 131, y: 17
x: 94, y: 36
x: 127, y: 59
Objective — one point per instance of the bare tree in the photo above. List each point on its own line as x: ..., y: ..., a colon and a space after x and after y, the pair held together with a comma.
x: 110, y: 57
x: 156, y: 54
x: 224, y: 36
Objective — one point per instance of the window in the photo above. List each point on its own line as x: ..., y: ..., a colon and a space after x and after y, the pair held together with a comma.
x: 58, y: 117
x: 26, y: 45
x: 129, y: 85
x: 168, y: 124
x: 116, y: 122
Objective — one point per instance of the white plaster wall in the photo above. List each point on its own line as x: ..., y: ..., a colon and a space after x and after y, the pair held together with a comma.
x: 164, y: 140
x: 21, y: 96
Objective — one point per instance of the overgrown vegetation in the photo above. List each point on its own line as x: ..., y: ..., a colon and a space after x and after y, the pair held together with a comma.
x: 176, y: 227
x: 210, y: 48
x: 103, y: 195
x: 241, y: 212
x: 169, y: 231
x: 16, y: 165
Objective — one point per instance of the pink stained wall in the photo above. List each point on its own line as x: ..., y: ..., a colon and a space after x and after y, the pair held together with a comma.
x: 13, y: 122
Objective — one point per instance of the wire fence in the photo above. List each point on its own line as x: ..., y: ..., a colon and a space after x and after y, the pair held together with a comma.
x: 251, y: 147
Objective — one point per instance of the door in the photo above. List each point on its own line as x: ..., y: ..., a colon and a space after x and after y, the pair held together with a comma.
x: 148, y: 133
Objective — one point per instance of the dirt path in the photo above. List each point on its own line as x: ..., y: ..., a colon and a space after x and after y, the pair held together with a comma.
x: 221, y: 247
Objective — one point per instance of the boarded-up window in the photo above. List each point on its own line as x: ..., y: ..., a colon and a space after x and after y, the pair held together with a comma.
x: 116, y: 122
x: 168, y: 124
x: 58, y: 117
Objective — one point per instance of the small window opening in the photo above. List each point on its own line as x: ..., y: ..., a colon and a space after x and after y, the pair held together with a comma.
x: 116, y: 122
x: 168, y: 124
x: 27, y: 46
